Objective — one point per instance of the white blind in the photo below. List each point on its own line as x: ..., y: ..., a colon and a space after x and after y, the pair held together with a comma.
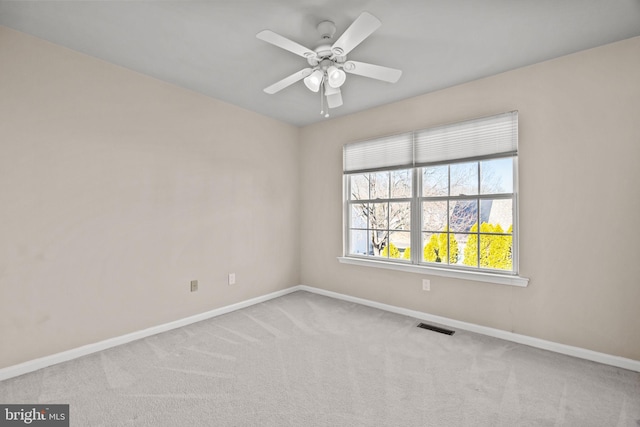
x: 469, y: 139
x: 387, y: 152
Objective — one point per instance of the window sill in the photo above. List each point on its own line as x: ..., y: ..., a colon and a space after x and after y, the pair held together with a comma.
x: 434, y: 271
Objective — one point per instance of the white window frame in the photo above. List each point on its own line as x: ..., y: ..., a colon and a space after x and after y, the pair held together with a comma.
x: 451, y: 144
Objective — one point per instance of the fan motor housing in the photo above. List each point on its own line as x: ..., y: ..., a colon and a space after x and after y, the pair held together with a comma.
x: 324, y: 52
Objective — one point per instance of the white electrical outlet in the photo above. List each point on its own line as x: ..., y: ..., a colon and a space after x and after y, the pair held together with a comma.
x: 426, y: 284
x: 232, y: 278
x: 194, y: 285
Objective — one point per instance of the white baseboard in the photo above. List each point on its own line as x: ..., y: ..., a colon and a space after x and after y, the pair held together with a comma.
x: 594, y: 356
x: 43, y: 362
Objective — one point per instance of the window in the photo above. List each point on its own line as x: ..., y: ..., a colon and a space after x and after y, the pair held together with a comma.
x: 449, y: 191
x: 467, y: 214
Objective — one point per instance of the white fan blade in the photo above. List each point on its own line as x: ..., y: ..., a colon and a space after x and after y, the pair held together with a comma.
x: 288, y: 81
x: 378, y: 72
x: 334, y: 99
x: 286, y: 44
x: 360, y: 29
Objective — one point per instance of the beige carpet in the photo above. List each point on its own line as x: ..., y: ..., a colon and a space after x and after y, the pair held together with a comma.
x: 309, y: 360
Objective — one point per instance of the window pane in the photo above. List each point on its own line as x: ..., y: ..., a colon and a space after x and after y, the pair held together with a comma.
x: 378, y: 216
x: 462, y: 214
x: 461, y: 240
x: 464, y: 179
x: 359, y: 215
x: 496, y: 176
x: 470, y: 251
x: 498, y: 214
x: 359, y: 187
x: 379, y: 185
x: 454, y: 249
x: 380, y: 240
x: 400, y: 216
x: 358, y: 242
x: 436, y: 248
x: 434, y: 216
x: 401, y: 183
x: 399, y: 241
x: 495, y: 252
x: 435, y: 181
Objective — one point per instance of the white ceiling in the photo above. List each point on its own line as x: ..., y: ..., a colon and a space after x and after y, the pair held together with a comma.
x: 210, y: 46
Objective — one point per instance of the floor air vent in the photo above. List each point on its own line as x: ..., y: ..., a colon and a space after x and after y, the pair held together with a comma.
x: 436, y: 329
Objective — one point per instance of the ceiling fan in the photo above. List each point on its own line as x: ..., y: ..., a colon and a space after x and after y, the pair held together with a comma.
x: 328, y: 63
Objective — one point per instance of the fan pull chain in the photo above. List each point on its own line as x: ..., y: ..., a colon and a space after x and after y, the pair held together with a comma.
x: 322, y: 101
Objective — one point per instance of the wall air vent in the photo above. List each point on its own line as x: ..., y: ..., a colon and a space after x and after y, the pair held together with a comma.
x: 436, y: 329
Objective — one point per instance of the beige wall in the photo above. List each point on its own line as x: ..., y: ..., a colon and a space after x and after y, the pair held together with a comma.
x: 117, y: 189
x: 579, y: 201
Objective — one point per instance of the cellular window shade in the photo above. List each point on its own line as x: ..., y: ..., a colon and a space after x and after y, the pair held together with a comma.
x: 467, y: 140
x: 388, y: 152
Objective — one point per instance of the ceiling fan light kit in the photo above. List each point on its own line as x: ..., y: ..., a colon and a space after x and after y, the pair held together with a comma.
x: 328, y: 63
